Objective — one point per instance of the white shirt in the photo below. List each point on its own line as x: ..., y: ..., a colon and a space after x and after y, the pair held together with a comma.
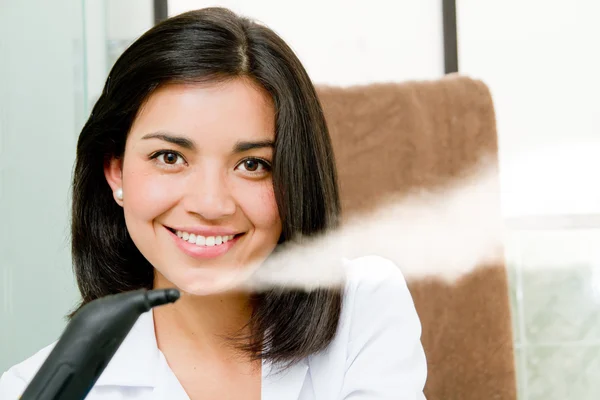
x: 376, y: 353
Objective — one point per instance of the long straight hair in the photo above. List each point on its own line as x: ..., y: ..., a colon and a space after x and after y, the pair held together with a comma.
x: 205, y: 46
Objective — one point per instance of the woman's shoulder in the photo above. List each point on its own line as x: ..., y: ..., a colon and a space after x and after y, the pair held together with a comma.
x: 374, y: 279
x: 16, y: 378
x: 373, y: 282
x: 377, y: 300
x: 377, y: 348
x: 373, y: 270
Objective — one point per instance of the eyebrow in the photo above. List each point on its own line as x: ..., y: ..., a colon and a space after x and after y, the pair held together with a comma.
x: 176, y: 140
x: 240, y: 147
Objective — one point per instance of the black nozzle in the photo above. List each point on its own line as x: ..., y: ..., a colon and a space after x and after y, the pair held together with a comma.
x: 89, y: 342
x: 162, y: 296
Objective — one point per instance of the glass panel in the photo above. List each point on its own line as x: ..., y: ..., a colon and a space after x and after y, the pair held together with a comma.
x: 52, y: 74
x: 41, y: 111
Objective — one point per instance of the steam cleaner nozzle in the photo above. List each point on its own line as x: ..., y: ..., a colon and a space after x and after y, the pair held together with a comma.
x: 89, y: 342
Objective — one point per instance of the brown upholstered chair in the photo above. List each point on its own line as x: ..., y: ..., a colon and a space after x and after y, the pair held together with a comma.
x: 392, y: 138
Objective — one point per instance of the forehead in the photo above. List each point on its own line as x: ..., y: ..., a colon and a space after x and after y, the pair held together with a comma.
x: 235, y: 109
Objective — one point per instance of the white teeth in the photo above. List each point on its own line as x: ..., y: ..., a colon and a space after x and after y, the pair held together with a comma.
x: 200, y: 240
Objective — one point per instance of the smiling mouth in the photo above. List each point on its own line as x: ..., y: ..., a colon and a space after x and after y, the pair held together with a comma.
x: 204, y: 241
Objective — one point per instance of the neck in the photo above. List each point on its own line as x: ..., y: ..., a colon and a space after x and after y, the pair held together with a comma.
x: 201, y: 323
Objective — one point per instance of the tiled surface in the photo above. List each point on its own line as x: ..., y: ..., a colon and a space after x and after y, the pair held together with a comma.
x: 562, y: 306
x: 555, y: 297
x: 563, y: 372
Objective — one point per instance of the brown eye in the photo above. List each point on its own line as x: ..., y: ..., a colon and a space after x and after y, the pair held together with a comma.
x: 255, y: 166
x: 251, y: 165
x: 170, y: 158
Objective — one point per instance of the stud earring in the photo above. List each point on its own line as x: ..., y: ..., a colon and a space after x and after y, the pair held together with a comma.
x: 119, y: 193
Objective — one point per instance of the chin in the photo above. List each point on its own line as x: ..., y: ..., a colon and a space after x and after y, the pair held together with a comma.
x: 209, y: 281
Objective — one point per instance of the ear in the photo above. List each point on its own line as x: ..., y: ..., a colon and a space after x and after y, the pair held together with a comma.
x: 114, y: 176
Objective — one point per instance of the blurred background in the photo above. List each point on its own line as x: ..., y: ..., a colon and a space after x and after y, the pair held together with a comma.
x: 536, y: 56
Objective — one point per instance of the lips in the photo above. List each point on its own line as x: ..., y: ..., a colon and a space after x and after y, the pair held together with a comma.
x: 203, y: 246
x: 201, y: 240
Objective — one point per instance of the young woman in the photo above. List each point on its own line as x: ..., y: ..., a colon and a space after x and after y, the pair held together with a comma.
x: 207, y: 149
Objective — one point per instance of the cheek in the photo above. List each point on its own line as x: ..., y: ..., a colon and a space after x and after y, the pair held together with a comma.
x: 261, y: 209
x: 147, y: 195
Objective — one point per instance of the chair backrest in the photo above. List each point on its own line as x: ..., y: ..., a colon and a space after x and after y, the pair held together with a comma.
x: 396, y: 138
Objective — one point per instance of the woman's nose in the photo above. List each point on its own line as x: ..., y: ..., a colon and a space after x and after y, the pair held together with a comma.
x: 209, y: 196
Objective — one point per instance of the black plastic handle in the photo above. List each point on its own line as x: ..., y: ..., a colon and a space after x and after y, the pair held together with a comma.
x: 89, y: 342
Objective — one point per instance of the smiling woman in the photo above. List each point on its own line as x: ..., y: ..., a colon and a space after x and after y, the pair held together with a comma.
x: 207, y: 150
x: 207, y: 175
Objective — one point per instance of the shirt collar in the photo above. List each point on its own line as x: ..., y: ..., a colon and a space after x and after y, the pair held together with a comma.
x: 136, y: 361
x: 283, y: 384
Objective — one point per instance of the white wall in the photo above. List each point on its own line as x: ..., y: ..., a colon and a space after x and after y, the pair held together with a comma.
x: 126, y: 20
x: 345, y: 42
x: 540, y: 60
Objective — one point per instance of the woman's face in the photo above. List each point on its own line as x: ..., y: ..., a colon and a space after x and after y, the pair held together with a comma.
x: 197, y: 189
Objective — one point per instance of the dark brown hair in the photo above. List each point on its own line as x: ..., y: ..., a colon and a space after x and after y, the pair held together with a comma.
x: 212, y: 45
